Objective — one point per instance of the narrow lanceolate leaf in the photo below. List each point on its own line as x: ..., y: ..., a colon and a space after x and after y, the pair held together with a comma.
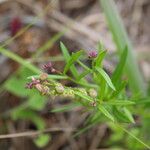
x: 128, y: 115
x: 73, y: 58
x: 67, y: 57
x: 100, y: 57
x: 86, y: 97
x: 119, y: 89
x: 119, y: 102
x: 106, y: 113
x: 66, y: 107
x: 106, y: 77
x: 120, y: 67
x: 83, y: 74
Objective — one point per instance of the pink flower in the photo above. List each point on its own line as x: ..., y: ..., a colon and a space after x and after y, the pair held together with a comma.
x: 92, y: 54
x: 49, y: 68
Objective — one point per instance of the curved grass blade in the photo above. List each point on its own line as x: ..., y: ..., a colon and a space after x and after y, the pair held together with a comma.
x: 74, y: 57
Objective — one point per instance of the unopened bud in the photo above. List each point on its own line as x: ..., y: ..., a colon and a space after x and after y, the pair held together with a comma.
x: 43, y: 76
x: 92, y: 54
x: 92, y: 93
x: 59, y: 88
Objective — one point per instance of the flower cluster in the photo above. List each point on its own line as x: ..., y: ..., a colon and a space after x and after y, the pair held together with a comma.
x: 48, y: 68
x: 92, y: 54
x: 39, y: 84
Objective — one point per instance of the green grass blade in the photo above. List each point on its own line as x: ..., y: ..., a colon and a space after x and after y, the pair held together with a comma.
x: 18, y: 59
x: 106, y: 77
x: 105, y: 112
x: 100, y: 57
x: 129, y: 115
x: 67, y: 57
x: 133, y: 136
x: 119, y: 102
x: 120, y: 67
x: 74, y: 57
x: 86, y: 97
x: 83, y: 74
x: 121, y: 39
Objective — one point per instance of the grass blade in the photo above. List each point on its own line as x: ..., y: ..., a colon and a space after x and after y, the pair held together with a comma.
x: 67, y: 57
x: 100, y: 57
x: 73, y: 58
x: 119, y: 102
x: 121, y: 39
x: 19, y: 59
x: 106, y: 113
x: 120, y: 67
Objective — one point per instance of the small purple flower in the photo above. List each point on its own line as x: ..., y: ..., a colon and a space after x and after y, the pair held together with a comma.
x: 92, y: 54
x: 31, y: 84
x: 49, y: 68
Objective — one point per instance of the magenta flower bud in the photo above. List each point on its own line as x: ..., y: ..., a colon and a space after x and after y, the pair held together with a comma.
x: 92, y: 54
x: 49, y: 68
x: 15, y: 25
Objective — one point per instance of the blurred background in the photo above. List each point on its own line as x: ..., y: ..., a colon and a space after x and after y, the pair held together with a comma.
x: 33, y: 29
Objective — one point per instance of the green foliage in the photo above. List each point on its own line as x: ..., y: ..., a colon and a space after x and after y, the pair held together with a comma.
x: 121, y: 40
x: 42, y: 140
x: 110, y: 102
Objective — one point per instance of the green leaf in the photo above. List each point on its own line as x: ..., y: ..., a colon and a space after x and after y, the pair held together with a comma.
x: 119, y: 89
x: 98, y: 60
x: 86, y: 97
x: 120, y: 115
x: 65, y: 108
x: 105, y: 112
x: 129, y: 115
x: 119, y: 102
x: 24, y: 113
x: 133, y: 136
x: 106, y: 77
x: 83, y: 74
x: 121, y: 40
x: 74, y: 57
x: 42, y: 140
x: 37, y: 101
x: 67, y: 57
x: 19, y: 59
x: 120, y: 67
